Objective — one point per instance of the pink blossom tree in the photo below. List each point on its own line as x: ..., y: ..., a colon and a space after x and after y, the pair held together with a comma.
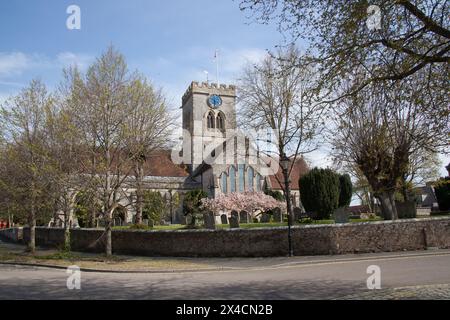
x: 248, y: 201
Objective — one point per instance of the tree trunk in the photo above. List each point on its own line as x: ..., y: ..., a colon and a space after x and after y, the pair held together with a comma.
x: 108, y: 205
x: 66, y: 231
x: 387, y: 203
x: 32, y: 223
x: 109, y: 234
x: 394, y: 207
x: 287, y: 193
x: 139, y: 192
x: 55, y: 214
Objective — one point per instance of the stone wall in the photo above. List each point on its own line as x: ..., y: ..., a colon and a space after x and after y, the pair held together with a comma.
x: 12, y: 235
x: 414, y: 234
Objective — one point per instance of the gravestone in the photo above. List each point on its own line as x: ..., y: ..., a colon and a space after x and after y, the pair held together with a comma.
x: 277, y: 215
x: 151, y: 223
x: 298, y: 214
x: 234, y: 222
x: 145, y: 222
x: 209, y: 221
x: 265, y: 218
x: 235, y: 214
x: 341, y: 215
x: 187, y: 220
x: 224, y: 219
x: 243, y: 217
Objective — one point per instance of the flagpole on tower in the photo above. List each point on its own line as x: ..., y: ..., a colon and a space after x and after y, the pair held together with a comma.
x: 216, y: 57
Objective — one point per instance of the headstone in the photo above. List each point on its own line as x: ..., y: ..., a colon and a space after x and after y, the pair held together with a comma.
x: 234, y: 222
x: 265, y: 218
x: 235, y: 214
x: 297, y: 214
x: 341, y: 215
x: 243, y: 217
x: 151, y: 223
x: 224, y: 219
x: 277, y: 215
x: 187, y: 220
x: 145, y: 222
x: 209, y: 221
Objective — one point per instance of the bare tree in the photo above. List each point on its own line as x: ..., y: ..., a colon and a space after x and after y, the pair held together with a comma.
x: 278, y: 94
x: 379, y: 130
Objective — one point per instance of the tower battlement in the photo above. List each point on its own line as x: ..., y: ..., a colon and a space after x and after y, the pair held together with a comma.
x: 209, y: 88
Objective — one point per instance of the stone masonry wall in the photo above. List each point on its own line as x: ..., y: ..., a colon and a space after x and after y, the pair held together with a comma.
x: 414, y: 234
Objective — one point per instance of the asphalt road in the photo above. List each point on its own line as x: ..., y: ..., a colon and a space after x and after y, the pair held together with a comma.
x: 426, y: 275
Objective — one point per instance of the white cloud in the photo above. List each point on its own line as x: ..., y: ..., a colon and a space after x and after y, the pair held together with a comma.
x: 319, y: 158
x: 232, y: 61
x: 13, y: 63
x: 67, y: 59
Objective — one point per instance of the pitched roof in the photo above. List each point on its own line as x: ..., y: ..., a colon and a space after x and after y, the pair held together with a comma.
x: 159, y: 164
x: 299, y: 169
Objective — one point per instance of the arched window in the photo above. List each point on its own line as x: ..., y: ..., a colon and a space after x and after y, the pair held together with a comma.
x: 258, y: 182
x: 210, y: 120
x: 250, y: 175
x: 232, y: 179
x: 223, y: 181
x: 241, y: 168
x: 220, y: 121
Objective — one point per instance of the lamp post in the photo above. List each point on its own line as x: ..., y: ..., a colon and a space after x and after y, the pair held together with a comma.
x: 284, y: 162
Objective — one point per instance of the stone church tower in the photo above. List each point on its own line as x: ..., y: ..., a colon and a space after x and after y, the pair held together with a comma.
x: 218, y: 153
x: 209, y: 112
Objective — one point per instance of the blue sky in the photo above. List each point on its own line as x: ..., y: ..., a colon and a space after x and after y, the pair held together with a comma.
x: 172, y: 42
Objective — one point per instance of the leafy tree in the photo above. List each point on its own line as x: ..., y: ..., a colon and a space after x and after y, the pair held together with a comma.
x: 148, y: 129
x: 101, y: 103
x: 192, y: 204
x: 154, y: 206
x: 277, y: 195
x: 411, y: 37
x: 442, y: 191
x: 345, y: 190
x: 320, y: 192
x: 27, y: 157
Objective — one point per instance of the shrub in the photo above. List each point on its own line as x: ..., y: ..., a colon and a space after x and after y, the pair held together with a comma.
x: 154, y: 206
x: 139, y: 227
x: 192, y: 204
x: 277, y: 195
x: 442, y: 191
x: 406, y: 210
x: 320, y: 192
x: 345, y: 190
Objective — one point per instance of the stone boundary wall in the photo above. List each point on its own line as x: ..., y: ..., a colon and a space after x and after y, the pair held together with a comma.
x: 14, y: 235
x: 384, y: 236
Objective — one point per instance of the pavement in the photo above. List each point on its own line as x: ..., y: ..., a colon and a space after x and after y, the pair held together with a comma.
x: 404, y: 275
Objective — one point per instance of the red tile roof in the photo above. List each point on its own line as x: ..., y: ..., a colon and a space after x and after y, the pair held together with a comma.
x: 300, y: 169
x: 159, y: 164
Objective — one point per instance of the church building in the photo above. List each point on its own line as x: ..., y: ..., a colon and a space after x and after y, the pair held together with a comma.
x: 215, y: 155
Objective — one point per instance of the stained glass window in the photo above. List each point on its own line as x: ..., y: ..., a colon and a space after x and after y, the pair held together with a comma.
x: 232, y: 179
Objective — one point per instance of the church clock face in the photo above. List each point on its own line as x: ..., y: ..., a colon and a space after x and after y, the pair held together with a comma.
x: 214, y: 101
